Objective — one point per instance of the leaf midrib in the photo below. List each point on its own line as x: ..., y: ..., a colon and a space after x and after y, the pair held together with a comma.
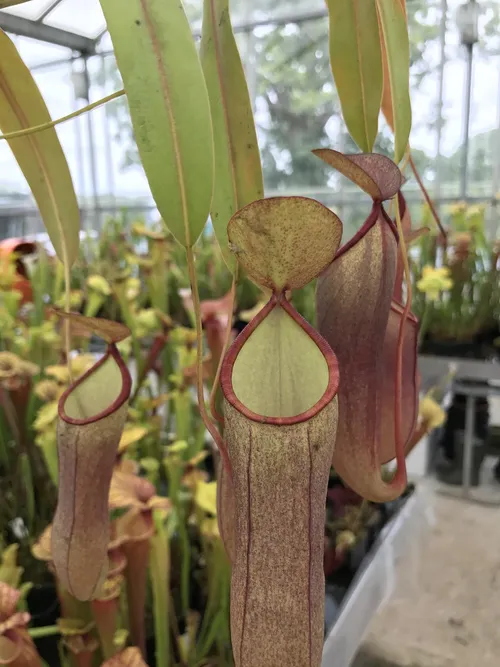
x: 223, y: 92
x: 361, y: 74
x: 165, y: 89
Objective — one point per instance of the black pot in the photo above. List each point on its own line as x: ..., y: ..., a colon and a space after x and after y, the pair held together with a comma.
x: 451, y: 443
x: 337, y: 592
x: 358, y: 552
x: 445, y: 348
x: 374, y: 527
x: 331, y: 612
x: 391, y: 508
x: 43, y: 605
x: 151, y: 650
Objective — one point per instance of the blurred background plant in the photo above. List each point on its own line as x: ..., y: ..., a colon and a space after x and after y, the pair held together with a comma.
x: 457, y: 284
x: 168, y: 583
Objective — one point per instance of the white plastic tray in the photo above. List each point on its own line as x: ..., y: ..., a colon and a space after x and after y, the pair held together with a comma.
x: 375, y: 582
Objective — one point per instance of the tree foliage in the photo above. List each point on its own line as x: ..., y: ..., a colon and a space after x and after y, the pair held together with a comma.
x: 295, y: 102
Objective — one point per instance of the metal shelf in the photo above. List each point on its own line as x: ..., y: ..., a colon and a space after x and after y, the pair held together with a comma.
x: 374, y: 583
x: 434, y: 368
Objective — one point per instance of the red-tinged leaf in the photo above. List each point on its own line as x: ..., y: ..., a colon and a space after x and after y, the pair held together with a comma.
x: 211, y: 308
x: 353, y: 303
x: 284, y: 242
x: 92, y: 413
x: 356, y: 61
x: 409, y: 382
x: 111, y: 332
x: 395, y: 43
x: 376, y: 174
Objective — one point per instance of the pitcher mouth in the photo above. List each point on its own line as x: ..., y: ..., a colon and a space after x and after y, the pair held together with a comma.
x: 120, y: 398
x: 228, y: 389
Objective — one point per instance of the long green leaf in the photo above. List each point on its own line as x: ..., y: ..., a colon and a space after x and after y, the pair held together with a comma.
x: 10, y: 3
x: 159, y: 570
x: 238, y: 170
x: 386, y: 107
x: 394, y: 37
x: 27, y: 477
x: 39, y: 155
x: 169, y: 107
x: 356, y: 61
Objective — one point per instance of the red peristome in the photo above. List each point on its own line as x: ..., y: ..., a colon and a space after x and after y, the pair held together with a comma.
x: 353, y: 304
x: 234, y: 350
x: 376, y: 212
x: 123, y: 396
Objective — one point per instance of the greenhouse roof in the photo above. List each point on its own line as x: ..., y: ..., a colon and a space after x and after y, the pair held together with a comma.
x: 80, y: 26
x: 61, y: 22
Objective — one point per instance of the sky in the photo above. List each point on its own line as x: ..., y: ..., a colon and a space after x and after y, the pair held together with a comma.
x: 56, y: 87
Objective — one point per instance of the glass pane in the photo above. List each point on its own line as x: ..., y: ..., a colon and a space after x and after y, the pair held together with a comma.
x: 83, y: 18
x: 30, y: 10
x: 36, y: 53
x: 255, y: 10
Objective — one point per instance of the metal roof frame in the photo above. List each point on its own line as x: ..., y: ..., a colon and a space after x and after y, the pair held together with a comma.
x: 37, y: 29
x: 18, y: 25
x: 86, y: 46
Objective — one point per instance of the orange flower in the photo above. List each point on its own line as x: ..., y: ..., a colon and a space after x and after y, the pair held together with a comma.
x: 135, y: 528
x: 42, y: 550
x: 130, y: 657
x: 215, y: 315
x: 106, y: 609
x: 16, y: 647
x: 137, y: 493
x: 79, y: 640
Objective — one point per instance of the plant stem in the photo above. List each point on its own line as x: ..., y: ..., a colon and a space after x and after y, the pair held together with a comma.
x: 67, y: 324
x: 186, y: 560
x: 160, y: 570
x: 427, y: 197
x: 424, y: 323
x: 47, y: 631
x: 128, y: 318
x: 11, y: 417
x: 63, y: 119
x: 213, y: 394
x: 199, y: 361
